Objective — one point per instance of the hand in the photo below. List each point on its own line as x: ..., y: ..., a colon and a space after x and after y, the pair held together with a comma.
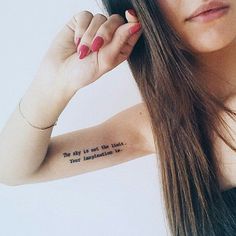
x: 72, y: 61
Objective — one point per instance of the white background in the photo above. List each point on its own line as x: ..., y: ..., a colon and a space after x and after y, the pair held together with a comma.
x: 121, y: 200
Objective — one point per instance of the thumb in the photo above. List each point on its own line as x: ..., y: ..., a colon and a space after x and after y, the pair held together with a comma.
x: 131, y: 15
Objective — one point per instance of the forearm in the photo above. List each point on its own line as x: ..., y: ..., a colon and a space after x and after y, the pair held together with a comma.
x: 23, y: 147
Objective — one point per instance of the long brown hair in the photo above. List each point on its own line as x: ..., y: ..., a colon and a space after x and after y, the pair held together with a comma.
x: 184, y: 118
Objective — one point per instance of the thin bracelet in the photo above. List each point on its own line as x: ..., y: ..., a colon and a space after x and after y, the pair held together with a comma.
x: 31, y: 123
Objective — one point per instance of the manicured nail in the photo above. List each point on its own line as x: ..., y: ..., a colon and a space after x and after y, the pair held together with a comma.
x: 83, y: 51
x: 132, y: 12
x: 134, y: 29
x: 97, y: 43
x: 77, y: 41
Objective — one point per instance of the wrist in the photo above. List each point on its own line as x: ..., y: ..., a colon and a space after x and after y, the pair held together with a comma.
x: 56, y: 88
x: 43, y: 102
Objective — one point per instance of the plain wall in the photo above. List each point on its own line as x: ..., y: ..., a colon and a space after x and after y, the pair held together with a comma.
x: 121, y: 200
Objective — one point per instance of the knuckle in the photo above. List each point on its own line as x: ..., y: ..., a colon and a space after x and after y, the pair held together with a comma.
x: 111, y: 61
x: 106, y: 31
x: 106, y: 36
x: 121, y: 37
x: 79, y: 31
x: 117, y: 17
x: 108, y: 28
x: 108, y: 63
x: 100, y: 16
x: 103, y: 28
x: 82, y: 14
x: 85, y: 13
x: 88, y: 36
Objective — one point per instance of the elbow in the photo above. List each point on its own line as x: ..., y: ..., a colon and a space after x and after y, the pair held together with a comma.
x: 10, y: 183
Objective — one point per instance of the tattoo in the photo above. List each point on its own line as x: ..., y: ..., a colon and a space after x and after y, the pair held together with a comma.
x: 94, y: 152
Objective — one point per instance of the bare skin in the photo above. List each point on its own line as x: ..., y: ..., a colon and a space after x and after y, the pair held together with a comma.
x: 226, y: 156
x: 214, y: 44
x: 125, y: 136
x: 210, y: 41
x: 112, y: 142
x: 28, y: 154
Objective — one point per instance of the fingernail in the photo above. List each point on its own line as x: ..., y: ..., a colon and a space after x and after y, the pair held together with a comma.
x: 77, y: 41
x: 83, y: 51
x: 97, y: 43
x: 132, y: 12
x: 134, y: 29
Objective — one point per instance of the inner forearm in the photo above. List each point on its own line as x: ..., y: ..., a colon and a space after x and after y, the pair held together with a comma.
x: 23, y: 147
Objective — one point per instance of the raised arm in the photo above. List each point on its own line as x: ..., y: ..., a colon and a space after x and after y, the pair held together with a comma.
x: 75, y: 59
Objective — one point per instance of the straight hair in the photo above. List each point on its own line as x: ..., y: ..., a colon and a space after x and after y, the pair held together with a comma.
x: 185, y: 119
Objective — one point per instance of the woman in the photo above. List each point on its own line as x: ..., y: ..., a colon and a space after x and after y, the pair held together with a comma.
x: 185, y: 117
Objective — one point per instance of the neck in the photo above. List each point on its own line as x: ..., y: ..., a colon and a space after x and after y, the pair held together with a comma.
x: 219, y: 71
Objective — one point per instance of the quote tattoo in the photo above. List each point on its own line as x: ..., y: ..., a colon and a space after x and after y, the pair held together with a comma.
x: 85, y: 154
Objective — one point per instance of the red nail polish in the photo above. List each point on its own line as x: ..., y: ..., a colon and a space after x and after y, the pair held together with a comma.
x: 97, y: 43
x: 77, y: 41
x: 83, y: 51
x: 134, y: 29
x: 132, y: 12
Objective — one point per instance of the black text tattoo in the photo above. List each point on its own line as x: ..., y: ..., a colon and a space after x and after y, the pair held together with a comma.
x: 94, y: 152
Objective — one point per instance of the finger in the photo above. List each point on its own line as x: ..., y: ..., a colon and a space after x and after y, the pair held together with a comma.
x: 86, y: 39
x: 106, y: 31
x: 125, y: 39
x: 64, y: 39
x: 81, y: 22
x: 122, y: 44
x: 127, y: 48
x: 134, y: 31
x: 131, y: 15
